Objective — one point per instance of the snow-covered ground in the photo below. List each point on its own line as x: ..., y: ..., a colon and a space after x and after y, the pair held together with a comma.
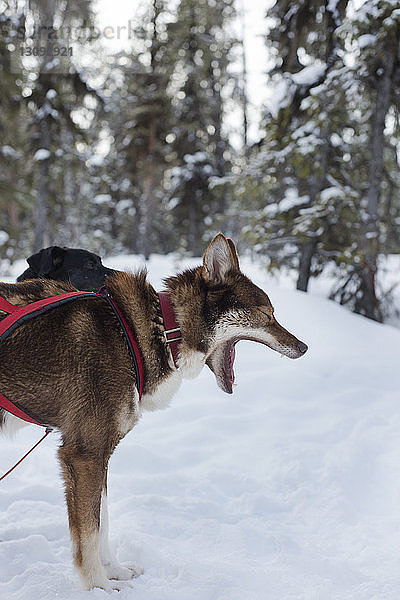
x: 287, y: 490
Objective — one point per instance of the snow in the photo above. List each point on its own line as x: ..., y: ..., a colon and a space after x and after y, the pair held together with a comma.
x: 47, y: 110
x: 279, y: 96
x: 51, y: 94
x: 9, y: 151
x: 41, y: 154
x: 310, y: 74
x: 332, y: 5
x: 53, y: 64
x: 4, y: 237
x: 195, y: 158
x: 287, y: 490
x: 289, y: 201
x: 366, y: 40
x: 193, y: 163
x: 331, y: 193
x: 96, y: 160
x: 102, y: 199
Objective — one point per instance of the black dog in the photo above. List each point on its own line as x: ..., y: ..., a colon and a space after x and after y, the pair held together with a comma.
x: 81, y: 268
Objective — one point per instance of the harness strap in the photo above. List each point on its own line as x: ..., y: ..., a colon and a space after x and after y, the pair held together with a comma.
x: 14, y: 409
x: 130, y: 338
x: 7, y: 307
x: 172, y: 333
x: 26, y: 455
x: 19, y: 314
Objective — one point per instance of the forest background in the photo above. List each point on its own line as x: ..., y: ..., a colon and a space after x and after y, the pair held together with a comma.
x: 146, y: 147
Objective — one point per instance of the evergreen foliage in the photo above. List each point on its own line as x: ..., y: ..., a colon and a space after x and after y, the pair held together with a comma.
x: 326, y: 159
x: 132, y: 151
x: 201, y: 42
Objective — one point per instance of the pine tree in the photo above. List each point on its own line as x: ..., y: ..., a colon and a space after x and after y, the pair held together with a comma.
x: 138, y: 114
x: 202, y: 43
x: 321, y: 131
x: 298, y: 158
x: 14, y: 179
x: 383, y: 71
x: 376, y: 43
x: 53, y: 91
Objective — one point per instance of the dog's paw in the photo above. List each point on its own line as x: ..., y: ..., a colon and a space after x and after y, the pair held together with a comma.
x: 119, y: 572
x: 134, y: 569
x: 108, y: 585
x: 117, y: 585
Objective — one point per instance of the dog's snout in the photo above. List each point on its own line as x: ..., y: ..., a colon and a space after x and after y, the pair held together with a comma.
x: 302, y: 347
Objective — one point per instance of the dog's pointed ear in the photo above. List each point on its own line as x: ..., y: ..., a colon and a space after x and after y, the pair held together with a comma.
x: 235, y: 255
x: 219, y: 258
x: 47, y: 260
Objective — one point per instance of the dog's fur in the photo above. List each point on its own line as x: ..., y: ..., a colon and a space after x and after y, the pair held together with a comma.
x: 71, y: 369
x: 81, y: 268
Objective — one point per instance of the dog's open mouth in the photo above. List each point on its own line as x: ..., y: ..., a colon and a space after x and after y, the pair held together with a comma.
x: 221, y: 360
x: 229, y: 374
x: 221, y: 363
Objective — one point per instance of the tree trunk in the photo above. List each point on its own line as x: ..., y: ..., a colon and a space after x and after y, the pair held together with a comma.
x: 41, y: 208
x: 368, y: 304
x: 44, y: 84
x: 244, y: 94
x: 13, y: 217
x: 220, y: 145
x: 148, y: 200
x: 70, y: 206
x: 307, y: 252
x: 317, y: 184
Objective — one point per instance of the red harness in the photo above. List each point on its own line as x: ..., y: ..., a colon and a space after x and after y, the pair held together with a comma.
x: 19, y: 314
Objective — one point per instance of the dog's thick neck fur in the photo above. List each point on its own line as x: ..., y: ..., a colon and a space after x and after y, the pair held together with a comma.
x: 139, y: 302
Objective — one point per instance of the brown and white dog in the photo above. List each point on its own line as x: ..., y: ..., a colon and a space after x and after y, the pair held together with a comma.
x: 71, y: 369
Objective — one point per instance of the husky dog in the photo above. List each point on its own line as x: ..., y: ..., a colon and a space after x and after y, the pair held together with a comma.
x: 72, y: 370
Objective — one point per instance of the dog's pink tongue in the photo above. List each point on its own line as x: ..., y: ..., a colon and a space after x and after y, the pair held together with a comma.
x: 229, y: 375
x: 232, y: 354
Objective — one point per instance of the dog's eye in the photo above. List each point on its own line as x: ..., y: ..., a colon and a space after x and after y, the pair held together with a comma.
x: 267, y: 312
x: 89, y: 264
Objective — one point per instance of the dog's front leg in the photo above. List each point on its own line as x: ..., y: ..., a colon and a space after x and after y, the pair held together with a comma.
x: 114, y: 570
x: 84, y: 475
